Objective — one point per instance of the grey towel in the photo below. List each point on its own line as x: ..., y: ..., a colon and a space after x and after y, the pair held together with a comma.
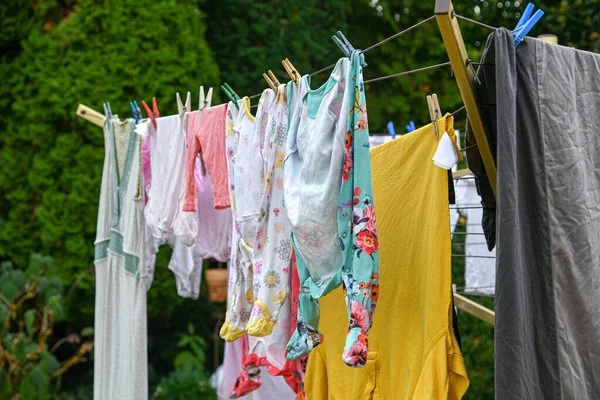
x: 548, y: 221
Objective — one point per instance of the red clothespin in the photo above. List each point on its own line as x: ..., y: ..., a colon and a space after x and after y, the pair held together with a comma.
x: 152, y: 114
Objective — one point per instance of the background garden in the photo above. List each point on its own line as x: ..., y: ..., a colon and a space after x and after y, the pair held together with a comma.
x: 56, y: 54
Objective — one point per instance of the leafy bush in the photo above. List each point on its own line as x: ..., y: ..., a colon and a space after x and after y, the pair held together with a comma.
x: 51, y: 163
x: 189, y: 380
x: 30, y: 304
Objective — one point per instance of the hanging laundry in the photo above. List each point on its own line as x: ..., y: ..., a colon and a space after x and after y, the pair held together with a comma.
x: 261, y: 241
x: 259, y: 276
x: 271, y: 388
x: 376, y: 140
x: 146, y: 168
x: 480, y: 272
x: 329, y: 200
x: 548, y: 278
x: 213, y: 239
x: 185, y: 264
x: 167, y: 162
x: 120, y: 351
x: 413, y: 352
x: 205, y: 137
x: 485, y: 94
x: 252, y: 373
x: 165, y: 220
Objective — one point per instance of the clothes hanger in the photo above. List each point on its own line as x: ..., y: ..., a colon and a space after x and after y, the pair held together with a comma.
x: 434, y: 112
x: 526, y: 23
x: 152, y: 114
x: 233, y: 96
x: 292, y: 72
x: 204, y: 102
x: 183, y: 108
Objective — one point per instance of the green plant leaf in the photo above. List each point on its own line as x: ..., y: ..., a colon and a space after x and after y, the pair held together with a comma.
x: 55, y: 303
x: 39, y: 379
x: 87, y: 331
x: 29, y: 320
x: 7, y: 342
x: 5, y: 386
x: 49, y: 363
x: 3, y: 312
x: 185, y: 360
x: 19, y: 350
x: 9, y: 290
x: 26, y: 389
x: 18, y: 278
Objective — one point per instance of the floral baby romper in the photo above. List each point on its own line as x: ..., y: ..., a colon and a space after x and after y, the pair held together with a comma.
x: 335, y: 236
x: 259, y: 276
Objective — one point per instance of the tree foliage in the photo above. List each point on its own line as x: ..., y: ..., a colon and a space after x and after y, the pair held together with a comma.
x: 250, y: 37
x: 30, y: 304
x: 50, y: 163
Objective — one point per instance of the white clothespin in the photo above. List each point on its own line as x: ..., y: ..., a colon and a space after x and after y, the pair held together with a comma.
x: 182, y: 109
x: 204, y: 102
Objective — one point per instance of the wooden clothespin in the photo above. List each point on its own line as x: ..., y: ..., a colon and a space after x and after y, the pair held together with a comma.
x: 183, y: 108
x: 292, y: 72
x: 435, y: 113
x: 272, y: 80
x: 152, y: 114
x: 91, y: 115
x: 204, y: 102
x: 231, y: 94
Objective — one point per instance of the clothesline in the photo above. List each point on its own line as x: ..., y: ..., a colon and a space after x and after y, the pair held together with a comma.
x: 471, y: 256
x: 392, y: 37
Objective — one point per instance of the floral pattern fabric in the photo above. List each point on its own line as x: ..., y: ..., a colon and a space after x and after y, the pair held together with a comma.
x: 358, y: 270
x: 360, y: 274
x: 259, y: 278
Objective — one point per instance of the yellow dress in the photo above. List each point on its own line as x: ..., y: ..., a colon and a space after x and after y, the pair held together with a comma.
x: 413, y: 353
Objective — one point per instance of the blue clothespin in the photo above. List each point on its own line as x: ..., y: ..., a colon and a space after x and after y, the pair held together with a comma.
x: 411, y: 126
x: 526, y: 23
x: 391, y: 130
x: 343, y: 43
x: 135, y: 110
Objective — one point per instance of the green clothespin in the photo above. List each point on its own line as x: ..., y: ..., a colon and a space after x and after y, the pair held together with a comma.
x: 231, y: 94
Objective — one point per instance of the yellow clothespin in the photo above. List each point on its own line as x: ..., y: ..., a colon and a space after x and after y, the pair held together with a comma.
x: 292, y: 72
x: 91, y: 115
x: 271, y: 80
x: 435, y: 113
